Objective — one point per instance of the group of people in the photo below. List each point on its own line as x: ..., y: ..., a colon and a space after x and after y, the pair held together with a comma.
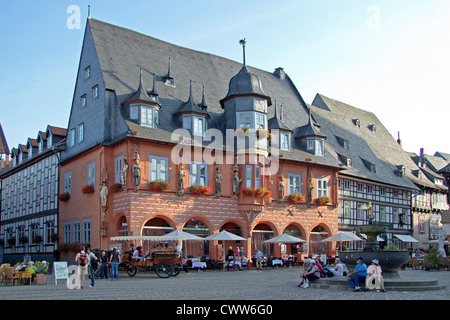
x: 88, y: 263
x: 237, y: 255
x: 372, y: 275
x: 29, y: 266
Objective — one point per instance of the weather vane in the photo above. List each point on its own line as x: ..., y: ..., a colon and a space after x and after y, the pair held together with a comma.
x: 242, y: 42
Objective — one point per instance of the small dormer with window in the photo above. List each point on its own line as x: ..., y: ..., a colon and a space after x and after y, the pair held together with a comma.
x: 284, y: 132
x: 42, y: 141
x: 22, y: 153
x: 193, y: 117
x: 143, y: 109
x: 310, y: 138
x: 32, y: 146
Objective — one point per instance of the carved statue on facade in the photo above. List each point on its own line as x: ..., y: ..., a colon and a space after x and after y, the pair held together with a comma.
x: 136, y: 172
x: 124, y: 172
x: 181, y: 175
x: 281, y: 188
x: 236, y: 183
x: 104, y: 194
x: 218, y: 182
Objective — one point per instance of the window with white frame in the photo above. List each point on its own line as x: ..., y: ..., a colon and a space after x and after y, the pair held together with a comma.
x: 322, y: 187
x: 134, y: 112
x: 83, y: 101
x: 87, y: 73
x: 284, y: 141
x: 359, y: 211
x: 77, y: 232
x: 295, y: 183
x: 195, y: 123
x: 87, y: 231
x: 251, y: 119
x: 67, y: 232
x: 91, y: 174
x: 147, y: 116
x: 198, y: 173
x: 48, y: 231
x: 159, y: 168
x: 249, y: 176
x: 382, y: 214
x: 68, y: 182
x: 346, y: 209
x: 95, y: 92
x: 118, y: 165
x: 72, y: 137
x: 80, y: 134
x: 34, y: 231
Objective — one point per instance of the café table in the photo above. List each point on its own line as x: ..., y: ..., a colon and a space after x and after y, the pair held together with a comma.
x: 198, y: 264
x: 277, y: 262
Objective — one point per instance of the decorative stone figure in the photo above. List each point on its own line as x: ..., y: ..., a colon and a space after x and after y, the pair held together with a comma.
x: 181, y: 175
x: 104, y: 194
x: 218, y: 182
x: 281, y: 186
x: 124, y: 172
x: 136, y: 172
x: 236, y: 183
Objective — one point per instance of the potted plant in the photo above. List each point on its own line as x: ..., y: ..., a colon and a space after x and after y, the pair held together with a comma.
x: 41, y: 273
x: 116, y: 187
x: 433, y: 259
x: 200, y: 190
x: 88, y: 189
x: 261, y: 133
x: 12, y: 241
x: 159, y: 185
x: 54, y: 237
x: 23, y: 240
x: 64, y: 196
x: 323, y: 200
x: 37, y: 239
x: 64, y: 247
x: 296, y: 198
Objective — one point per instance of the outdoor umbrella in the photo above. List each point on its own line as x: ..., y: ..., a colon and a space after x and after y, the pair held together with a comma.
x: 224, y: 236
x: 342, y: 236
x: 284, y: 238
x: 181, y: 235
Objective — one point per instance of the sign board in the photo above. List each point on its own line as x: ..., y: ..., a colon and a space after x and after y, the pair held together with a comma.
x: 60, y: 270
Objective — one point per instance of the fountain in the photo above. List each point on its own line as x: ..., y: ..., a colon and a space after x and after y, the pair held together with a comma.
x: 390, y: 261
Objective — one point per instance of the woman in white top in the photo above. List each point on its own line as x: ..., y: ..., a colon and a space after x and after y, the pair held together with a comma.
x: 374, y: 277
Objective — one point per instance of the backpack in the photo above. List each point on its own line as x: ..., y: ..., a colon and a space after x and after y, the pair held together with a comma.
x: 82, y: 259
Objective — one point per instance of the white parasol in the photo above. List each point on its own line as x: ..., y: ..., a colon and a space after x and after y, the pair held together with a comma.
x: 342, y: 236
x: 182, y: 235
x: 224, y: 236
x: 284, y: 238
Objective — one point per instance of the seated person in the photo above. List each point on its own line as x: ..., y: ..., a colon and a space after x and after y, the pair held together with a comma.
x: 21, y: 266
x: 311, y: 275
x: 32, y: 270
x: 359, y: 274
x: 338, y: 269
x: 374, y: 276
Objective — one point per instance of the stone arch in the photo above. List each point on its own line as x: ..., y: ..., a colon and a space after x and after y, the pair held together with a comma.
x: 295, y: 229
x: 262, y: 231
x: 318, y: 233
x: 199, y: 226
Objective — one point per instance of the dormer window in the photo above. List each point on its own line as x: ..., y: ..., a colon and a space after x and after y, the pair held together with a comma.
x: 356, y: 122
x: 49, y: 139
x: 149, y: 116
x: 196, y: 124
x: 285, y: 139
x: 95, y: 92
x: 315, y: 146
x: 41, y: 145
x: 373, y: 128
x: 87, y: 73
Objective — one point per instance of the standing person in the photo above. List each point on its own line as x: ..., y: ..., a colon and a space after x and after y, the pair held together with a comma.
x: 236, y: 253
x: 242, y: 253
x: 83, y: 261
x: 230, y: 254
x: 104, y: 261
x: 259, y: 258
x: 92, y: 266
x: 114, y: 261
x: 374, y: 272
x: 359, y: 274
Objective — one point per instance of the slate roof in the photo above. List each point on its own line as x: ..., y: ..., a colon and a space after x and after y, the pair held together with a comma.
x: 121, y: 52
x: 4, y: 149
x: 364, y: 145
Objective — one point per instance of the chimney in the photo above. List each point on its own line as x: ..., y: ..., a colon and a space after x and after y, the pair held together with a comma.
x: 398, y: 140
x: 279, y: 72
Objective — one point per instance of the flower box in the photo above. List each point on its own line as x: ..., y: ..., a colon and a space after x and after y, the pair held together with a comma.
x: 323, y: 200
x: 116, y: 187
x: 64, y: 196
x: 37, y: 239
x: 199, y: 190
x: 296, y: 198
x: 23, y: 240
x: 261, y: 133
x: 263, y: 192
x: 159, y: 186
x: 88, y: 189
x: 249, y: 192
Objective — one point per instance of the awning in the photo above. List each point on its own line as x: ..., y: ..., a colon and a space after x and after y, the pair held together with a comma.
x: 365, y: 237
x: 405, y: 238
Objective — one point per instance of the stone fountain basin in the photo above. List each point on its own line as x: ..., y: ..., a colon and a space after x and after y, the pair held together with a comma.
x: 390, y: 260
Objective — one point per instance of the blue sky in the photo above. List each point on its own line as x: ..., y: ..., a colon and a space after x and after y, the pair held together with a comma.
x: 387, y: 57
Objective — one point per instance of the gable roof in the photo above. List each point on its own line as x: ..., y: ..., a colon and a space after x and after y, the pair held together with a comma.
x: 4, y: 149
x: 122, y: 52
x: 379, y: 147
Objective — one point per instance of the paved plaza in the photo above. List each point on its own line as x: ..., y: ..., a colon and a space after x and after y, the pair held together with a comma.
x: 271, y: 284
